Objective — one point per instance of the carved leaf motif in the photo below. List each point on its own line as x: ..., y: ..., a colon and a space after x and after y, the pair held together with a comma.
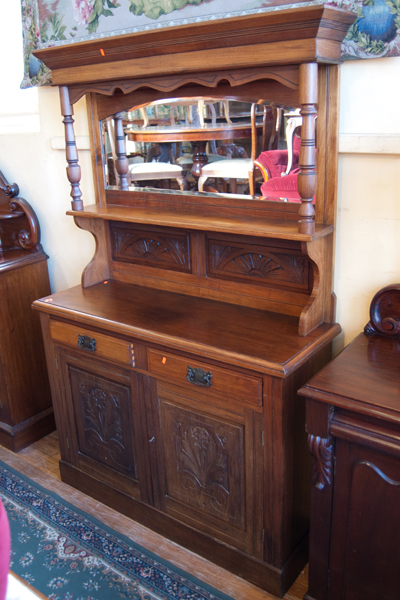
x: 263, y: 265
x: 103, y: 420
x: 154, y: 248
x: 203, y: 464
x: 322, y: 451
x: 102, y: 416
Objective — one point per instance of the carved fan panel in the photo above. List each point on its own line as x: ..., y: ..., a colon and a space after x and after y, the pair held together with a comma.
x: 162, y: 250
x: 259, y: 264
x: 104, y: 422
x: 204, y: 464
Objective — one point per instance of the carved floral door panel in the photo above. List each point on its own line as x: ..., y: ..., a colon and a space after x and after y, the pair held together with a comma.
x: 106, y: 425
x: 209, y: 472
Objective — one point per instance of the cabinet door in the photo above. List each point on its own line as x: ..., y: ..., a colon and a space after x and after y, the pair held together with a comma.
x: 365, y: 558
x: 209, y: 471
x: 104, y: 426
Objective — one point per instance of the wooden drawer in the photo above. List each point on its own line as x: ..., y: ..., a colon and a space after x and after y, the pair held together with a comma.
x: 93, y: 343
x: 222, y: 382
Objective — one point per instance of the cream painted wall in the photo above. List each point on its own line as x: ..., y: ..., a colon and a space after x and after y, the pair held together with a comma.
x: 367, y: 248
x: 27, y: 158
x: 367, y: 236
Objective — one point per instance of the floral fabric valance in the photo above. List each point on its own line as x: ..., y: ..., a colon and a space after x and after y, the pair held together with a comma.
x: 376, y: 33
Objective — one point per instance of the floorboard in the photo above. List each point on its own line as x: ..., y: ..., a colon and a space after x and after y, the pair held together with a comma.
x: 40, y: 463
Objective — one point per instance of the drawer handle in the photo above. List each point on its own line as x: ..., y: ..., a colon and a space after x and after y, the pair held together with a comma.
x: 199, y: 377
x: 86, y: 343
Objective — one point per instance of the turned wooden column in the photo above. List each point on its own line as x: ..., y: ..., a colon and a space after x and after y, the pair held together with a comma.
x: 73, y: 169
x: 121, y: 163
x: 307, y: 178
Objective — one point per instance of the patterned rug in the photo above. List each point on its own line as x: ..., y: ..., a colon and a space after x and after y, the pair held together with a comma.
x: 66, y: 554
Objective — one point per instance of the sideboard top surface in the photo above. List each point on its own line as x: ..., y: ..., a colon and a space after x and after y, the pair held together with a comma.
x: 247, y: 337
x: 364, y: 377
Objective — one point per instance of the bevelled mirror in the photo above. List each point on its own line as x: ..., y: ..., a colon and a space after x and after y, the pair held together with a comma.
x: 205, y: 145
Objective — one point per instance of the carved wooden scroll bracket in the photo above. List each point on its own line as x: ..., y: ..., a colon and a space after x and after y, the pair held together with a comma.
x: 322, y: 452
x: 27, y: 232
x: 9, y: 189
x: 385, y: 312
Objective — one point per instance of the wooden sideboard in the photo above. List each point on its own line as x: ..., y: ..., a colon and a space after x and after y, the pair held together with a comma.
x: 174, y: 366
x: 353, y: 422
x: 26, y: 412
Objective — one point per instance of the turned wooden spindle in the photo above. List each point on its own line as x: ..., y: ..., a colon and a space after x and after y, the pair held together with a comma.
x: 121, y: 164
x: 307, y: 178
x: 73, y: 169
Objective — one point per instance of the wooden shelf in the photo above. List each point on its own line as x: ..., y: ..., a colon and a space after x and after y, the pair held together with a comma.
x: 260, y: 227
x: 212, y: 329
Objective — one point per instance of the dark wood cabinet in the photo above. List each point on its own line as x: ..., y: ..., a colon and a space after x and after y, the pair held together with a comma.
x: 353, y: 421
x: 209, y: 455
x: 175, y: 365
x: 103, y: 431
x: 26, y: 412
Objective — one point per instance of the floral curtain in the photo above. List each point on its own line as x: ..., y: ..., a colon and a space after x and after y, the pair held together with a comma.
x: 376, y: 32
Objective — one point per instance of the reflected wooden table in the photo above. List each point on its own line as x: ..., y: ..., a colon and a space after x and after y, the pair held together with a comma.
x: 198, y: 136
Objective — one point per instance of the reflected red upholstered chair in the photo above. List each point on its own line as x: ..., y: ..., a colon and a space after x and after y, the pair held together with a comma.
x: 273, y: 165
x: 4, y: 551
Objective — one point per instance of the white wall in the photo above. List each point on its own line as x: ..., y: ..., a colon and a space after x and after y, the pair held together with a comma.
x: 367, y: 247
x: 368, y: 241
x: 26, y: 156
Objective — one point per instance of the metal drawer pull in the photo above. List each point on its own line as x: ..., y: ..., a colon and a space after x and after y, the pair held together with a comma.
x: 199, y: 377
x: 86, y: 343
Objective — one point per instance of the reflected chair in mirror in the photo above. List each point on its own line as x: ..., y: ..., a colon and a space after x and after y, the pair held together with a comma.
x: 178, y: 111
x: 154, y: 167
x: 184, y: 112
x: 278, y: 181
x: 242, y: 167
x: 158, y: 166
x: 280, y: 167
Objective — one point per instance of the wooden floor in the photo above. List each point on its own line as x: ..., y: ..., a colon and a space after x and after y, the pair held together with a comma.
x: 40, y: 463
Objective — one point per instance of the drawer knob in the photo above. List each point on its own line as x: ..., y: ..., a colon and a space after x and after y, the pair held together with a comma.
x: 86, y: 343
x: 199, y: 377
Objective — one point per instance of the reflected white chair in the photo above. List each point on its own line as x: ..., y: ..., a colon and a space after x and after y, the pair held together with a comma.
x: 235, y: 169
x: 156, y: 170
x: 294, y: 120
